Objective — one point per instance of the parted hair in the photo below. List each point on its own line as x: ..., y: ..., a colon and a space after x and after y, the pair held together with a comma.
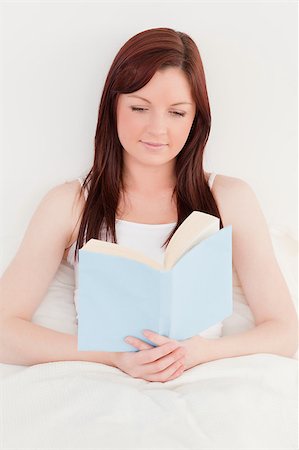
x: 132, y: 68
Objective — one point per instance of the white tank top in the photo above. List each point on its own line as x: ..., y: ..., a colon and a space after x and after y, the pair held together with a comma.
x: 148, y: 239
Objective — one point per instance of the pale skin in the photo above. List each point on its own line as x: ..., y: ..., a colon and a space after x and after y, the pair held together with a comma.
x: 149, y: 180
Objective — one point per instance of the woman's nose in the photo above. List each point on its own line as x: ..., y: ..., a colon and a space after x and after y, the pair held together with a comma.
x: 157, y: 124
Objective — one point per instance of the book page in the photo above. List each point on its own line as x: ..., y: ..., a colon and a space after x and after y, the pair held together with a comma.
x: 111, y: 248
x: 195, y: 228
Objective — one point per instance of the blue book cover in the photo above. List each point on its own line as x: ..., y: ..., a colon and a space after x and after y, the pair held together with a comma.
x: 122, y: 292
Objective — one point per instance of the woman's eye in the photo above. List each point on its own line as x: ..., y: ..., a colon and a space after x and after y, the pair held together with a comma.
x: 175, y: 113
x: 178, y: 113
x: 134, y: 108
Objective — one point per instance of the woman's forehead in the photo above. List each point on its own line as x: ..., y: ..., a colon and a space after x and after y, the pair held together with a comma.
x: 175, y: 91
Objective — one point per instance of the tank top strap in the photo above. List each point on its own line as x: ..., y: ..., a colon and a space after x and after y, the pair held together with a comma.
x: 81, y: 179
x: 211, y: 179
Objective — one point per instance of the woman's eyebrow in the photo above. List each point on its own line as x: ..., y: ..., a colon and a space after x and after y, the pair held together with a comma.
x: 174, y: 104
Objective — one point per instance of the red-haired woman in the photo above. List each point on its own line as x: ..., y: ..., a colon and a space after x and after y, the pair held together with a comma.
x: 147, y: 176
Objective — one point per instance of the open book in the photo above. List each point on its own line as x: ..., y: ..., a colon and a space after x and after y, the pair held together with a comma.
x: 121, y: 291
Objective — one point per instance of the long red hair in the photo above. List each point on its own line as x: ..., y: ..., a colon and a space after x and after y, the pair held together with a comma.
x: 132, y: 68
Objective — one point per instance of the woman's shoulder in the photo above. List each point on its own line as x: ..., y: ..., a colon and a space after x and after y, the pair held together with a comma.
x: 230, y: 194
x: 74, y: 201
x: 224, y: 181
x: 71, y: 191
x: 69, y: 188
x: 224, y: 184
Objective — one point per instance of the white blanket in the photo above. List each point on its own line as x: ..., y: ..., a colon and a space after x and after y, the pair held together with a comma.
x: 247, y: 402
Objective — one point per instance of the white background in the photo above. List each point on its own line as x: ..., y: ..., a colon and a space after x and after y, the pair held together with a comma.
x: 55, y: 58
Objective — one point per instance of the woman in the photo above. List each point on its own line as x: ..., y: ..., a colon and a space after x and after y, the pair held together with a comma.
x: 153, y: 124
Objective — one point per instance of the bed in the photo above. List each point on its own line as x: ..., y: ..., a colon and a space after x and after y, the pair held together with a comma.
x: 247, y: 402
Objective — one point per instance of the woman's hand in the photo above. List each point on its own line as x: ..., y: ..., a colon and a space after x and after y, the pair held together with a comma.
x: 196, y: 347
x: 162, y: 363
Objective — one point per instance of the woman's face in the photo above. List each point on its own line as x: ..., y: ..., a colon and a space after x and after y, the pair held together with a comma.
x: 164, y: 115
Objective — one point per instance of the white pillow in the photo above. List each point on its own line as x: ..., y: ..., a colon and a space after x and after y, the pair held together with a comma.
x: 57, y: 309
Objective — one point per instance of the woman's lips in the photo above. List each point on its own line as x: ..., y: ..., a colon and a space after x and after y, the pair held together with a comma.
x: 149, y: 145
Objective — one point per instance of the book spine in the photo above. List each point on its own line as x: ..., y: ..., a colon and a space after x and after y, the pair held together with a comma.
x: 165, y: 302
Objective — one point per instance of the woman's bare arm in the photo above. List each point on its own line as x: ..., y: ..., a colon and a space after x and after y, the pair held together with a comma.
x: 25, y: 343
x: 263, y: 284
x: 26, y: 281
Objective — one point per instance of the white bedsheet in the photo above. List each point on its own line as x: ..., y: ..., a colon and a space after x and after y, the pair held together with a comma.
x: 247, y: 402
